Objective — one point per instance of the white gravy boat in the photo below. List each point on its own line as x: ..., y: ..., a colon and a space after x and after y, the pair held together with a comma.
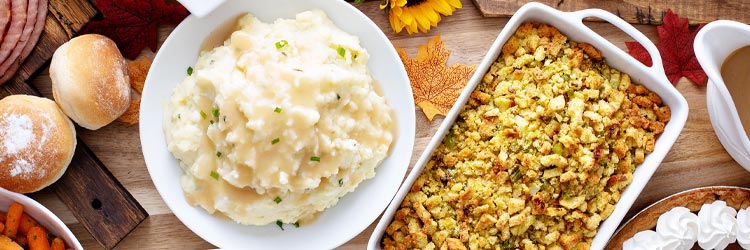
x: 713, y: 44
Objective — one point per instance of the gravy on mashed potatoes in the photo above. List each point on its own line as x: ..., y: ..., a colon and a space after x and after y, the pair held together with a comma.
x: 279, y: 122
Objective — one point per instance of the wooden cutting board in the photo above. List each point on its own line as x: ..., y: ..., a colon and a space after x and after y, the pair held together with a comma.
x: 99, y: 202
x: 635, y: 11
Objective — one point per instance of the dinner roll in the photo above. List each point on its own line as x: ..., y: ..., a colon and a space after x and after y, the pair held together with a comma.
x: 37, y: 142
x: 90, y: 80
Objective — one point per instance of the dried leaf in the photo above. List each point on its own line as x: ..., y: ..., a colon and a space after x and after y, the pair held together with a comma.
x: 138, y: 70
x: 435, y: 85
x: 676, y: 50
x: 131, y: 115
x: 132, y: 23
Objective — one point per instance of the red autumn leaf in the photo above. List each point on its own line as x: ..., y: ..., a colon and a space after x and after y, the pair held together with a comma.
x: 676, y: 49
x: 132, y: 23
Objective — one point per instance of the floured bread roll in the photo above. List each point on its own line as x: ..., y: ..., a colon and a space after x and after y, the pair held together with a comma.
x: 90, y: 80
x: 37, y: 142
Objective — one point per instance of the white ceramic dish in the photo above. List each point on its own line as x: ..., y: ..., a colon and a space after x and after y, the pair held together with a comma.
x: 200, y: 8
x: 713, y: 43
x: 571, y: 25
x: 42, y: 215
x: 336, y: 225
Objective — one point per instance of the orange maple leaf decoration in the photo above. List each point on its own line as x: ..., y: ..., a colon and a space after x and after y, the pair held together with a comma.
x: 137, y: 70
x: 435, y: 85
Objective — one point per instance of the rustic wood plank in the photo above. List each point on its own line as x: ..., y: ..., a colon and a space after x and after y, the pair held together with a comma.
x: 696, y: 159
x: 104, y: 207
x: 636, y: 11
x: 95, y: 197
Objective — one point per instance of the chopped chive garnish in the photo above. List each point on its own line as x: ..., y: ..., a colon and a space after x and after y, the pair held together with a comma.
x: 212, y: 122
x: 215, y: 112
x: 203, y: 114
x: 315, y: 158
x: 277, y: 140
x: 277, y: 110
x: 296, y: 224
x: 215, y: 175
x: 341, y: 51
x: 277, y: 200
x: 338, y: 97
x: 281, y: 44
x: 218, y: 154
x: 190, y: 71
x: 341, y: 182
x: 280, y: 224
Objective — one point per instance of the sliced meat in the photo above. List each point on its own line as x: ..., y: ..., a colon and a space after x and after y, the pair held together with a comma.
x: 41, y: 17
x: 32, y: 6
x: 13, y: 34
x: 4, y: 17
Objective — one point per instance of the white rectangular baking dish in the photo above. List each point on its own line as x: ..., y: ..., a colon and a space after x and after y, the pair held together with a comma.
x: 571, y: 25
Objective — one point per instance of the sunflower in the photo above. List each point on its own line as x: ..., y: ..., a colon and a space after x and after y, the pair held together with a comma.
x: 417, y: 15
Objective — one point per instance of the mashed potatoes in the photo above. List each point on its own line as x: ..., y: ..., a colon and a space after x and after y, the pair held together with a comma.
x: 279, y: 122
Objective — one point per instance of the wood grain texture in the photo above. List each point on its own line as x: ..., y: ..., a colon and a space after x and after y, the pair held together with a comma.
x: 697, y: 159
x: 635, y: 11
x: 102, y: 205
x: 98, y: 201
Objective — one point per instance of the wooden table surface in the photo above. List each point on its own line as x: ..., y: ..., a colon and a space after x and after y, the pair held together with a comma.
x: 697, y: 159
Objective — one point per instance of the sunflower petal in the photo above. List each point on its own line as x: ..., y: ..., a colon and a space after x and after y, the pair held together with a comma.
x: 455, y: 3
x: 443, y: 7
x: 422, y: 21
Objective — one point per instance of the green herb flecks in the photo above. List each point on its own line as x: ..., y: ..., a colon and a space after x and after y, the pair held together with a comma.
x: 315, y: 158
x: 341, y: 51
x: 277, y: 200
x: 215, y: 112
x: 296, y: 224
x: 190, y: 71
x: 277, y: 140
x: 281, y: 44
x: 338, y: 97
x: 277, y: 110
x: 203, y: 114
x: 280, y: 224
x: 215, y: 175
x: 341, y: 182
x: 557, y: 148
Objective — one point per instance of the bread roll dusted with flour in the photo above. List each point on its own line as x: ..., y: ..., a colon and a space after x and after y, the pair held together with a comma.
x: 37, y: 142
x: 90, y: 80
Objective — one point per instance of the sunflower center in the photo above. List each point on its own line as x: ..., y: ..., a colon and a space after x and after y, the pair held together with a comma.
x: 414, y: 2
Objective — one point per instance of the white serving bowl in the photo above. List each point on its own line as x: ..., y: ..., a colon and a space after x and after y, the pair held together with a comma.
x: 334, y: 226
x: 571, y: 25
x: 200, y: 8
x: 713, y: 43
x: 41, y: 214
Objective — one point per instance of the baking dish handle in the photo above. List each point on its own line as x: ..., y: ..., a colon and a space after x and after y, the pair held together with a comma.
x: 656, y: 63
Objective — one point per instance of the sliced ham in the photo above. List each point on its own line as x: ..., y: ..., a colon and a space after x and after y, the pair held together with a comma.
x: 38, y: 28
x: 4, y: 17
x: 32, y: 7
x: 15, y: 29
